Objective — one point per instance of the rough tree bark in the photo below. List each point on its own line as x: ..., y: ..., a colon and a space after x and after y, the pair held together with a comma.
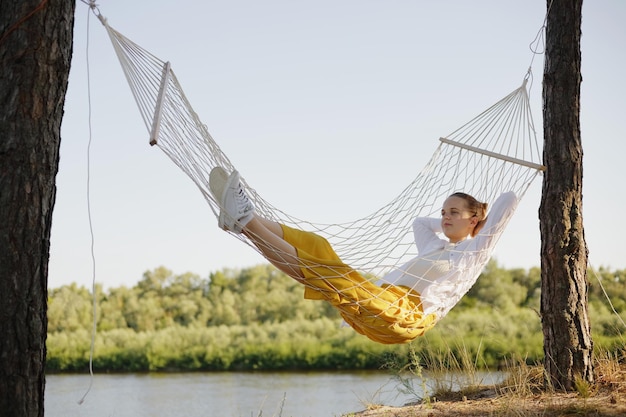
x: 564, y: 310
x: 35, y: 53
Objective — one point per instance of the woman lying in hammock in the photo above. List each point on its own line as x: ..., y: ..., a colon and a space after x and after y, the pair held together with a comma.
x: 407, y: 301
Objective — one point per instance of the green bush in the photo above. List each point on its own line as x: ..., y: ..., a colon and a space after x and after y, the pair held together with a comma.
x: 257, y: 319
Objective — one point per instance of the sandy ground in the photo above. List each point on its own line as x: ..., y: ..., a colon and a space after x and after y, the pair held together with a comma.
x: 608, y: 402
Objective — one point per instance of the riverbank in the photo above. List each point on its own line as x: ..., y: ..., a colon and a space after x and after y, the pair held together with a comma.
x: 605, y: 398
x: 491, y: 404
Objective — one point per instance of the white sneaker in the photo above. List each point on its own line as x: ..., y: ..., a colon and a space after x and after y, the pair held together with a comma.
x: 217, y: 182
x: 236, y: 208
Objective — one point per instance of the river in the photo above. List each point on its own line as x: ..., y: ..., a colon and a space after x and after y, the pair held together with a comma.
x: 226, y: 394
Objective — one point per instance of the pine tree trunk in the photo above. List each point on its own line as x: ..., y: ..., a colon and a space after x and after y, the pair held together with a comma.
x: 35, y: 52
x: 564, y: 310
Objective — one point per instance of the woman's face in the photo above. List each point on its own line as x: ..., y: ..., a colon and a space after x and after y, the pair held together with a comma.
x: 457, y: 222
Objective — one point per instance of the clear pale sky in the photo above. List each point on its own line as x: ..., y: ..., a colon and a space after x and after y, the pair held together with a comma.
x: 345, y: 97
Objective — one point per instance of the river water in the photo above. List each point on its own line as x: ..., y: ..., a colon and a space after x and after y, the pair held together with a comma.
x: 232, y: 394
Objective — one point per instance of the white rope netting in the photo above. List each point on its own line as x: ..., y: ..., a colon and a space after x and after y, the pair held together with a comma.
x: 496, y: 152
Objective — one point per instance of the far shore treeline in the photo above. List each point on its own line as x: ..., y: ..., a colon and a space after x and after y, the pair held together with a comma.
x: 257, y: 319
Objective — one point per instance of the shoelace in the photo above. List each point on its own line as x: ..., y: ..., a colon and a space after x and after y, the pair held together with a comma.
x: 243, y: 202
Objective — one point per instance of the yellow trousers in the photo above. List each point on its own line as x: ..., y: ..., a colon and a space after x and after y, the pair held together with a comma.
x: 386, y: 314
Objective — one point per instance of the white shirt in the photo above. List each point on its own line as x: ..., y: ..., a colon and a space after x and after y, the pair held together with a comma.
x: 443, y: 272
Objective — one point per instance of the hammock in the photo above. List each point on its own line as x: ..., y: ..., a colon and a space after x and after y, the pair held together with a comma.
x: 493, y: 153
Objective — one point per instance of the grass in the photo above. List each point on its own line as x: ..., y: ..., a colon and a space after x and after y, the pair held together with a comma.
x: 455, y: 387
x: 457, y: 390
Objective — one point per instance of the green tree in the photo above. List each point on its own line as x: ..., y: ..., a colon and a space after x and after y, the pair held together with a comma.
x: 499, y: 288
x: 111, y: 307
x: 69, y: 309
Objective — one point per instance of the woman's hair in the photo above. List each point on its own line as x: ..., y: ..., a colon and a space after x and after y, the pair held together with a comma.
x: 477, y: 208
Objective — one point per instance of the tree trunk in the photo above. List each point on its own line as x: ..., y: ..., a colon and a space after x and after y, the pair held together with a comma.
x: 35, y: 53
x: 565, y: 319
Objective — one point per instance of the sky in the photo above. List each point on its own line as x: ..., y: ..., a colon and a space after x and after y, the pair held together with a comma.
x: 345, y: 97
